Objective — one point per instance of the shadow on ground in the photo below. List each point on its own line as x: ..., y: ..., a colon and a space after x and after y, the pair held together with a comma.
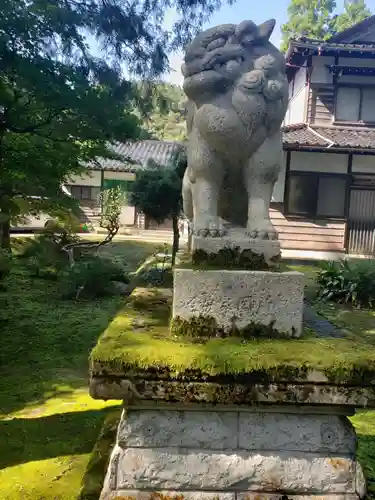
x: 30, y: 439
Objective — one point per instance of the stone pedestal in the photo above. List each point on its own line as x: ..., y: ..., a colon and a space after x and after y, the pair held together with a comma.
x: 216, y: 453
x: 241, y: 299
x: 237, y: 298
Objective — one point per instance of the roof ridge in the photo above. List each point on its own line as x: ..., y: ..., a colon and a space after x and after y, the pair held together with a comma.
x: 293, y: 126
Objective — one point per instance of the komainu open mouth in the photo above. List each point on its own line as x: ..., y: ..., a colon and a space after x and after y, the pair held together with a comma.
x: 217, y: 54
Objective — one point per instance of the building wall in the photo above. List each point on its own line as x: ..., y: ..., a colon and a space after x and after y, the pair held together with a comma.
x: 301, y: 233
x: 321, y: 99
x: 321, y: 104
x: 91, y: 208
x: 320, y: 73
x: 296, y: 112
x: 279, y: 188
x: 92, y: 178
x: 319, y: 162
x: 363, y: 164
x: 297, y: 233
x: 119, y: 176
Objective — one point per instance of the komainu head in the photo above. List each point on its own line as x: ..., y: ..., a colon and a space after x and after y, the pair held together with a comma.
x: 229, y: 54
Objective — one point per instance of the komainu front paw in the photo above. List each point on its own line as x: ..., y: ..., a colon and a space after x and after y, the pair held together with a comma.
x: 261, y: 229
x: 209, y: 226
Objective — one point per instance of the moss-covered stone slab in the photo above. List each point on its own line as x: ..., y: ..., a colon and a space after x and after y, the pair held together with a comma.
x: 199, y: 495
x: 235, y: 249
x: 138, y: 344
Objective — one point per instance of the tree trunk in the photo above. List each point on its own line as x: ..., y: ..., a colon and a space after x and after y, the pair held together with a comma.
x: 176, y: 238
x: 5, y: 234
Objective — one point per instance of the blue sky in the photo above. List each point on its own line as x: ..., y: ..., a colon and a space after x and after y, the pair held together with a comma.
x: 257, y: 10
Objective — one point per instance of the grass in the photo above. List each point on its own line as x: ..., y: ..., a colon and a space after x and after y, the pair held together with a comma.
x: 48, y: 422
x: 357, y: 323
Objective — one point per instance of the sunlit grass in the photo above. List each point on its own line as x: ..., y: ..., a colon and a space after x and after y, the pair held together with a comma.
x: 48, y: 422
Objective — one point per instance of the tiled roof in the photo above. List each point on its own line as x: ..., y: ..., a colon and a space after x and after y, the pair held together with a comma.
x: 135, y: 155
x: 336, y: 137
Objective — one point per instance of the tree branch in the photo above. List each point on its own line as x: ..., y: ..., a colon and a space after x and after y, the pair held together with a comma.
x: 33, y: 128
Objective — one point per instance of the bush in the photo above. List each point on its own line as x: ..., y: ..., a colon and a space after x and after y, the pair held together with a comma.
x: 348, y: 281
x: 44, y: 253
x: 91, y: 278
x: 155, y: 277
x: 5, y: 265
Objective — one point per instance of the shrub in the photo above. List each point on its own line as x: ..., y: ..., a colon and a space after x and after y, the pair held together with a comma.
x: 155, y: 277
x: 44, y: 258
x: 348, y: 281
x: 91, y: 277
x: 44, y: 253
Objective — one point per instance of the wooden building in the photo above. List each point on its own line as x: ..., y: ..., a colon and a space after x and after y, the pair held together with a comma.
x: 328, y: 200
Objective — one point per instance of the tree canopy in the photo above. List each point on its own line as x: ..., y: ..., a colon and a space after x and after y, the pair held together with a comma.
x: 319, y: 19
x: 63, y: 93
x: 354, y: 12
x: 167, y: 120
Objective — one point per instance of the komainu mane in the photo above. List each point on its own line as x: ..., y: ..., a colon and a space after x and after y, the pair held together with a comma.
x: 235, y: 81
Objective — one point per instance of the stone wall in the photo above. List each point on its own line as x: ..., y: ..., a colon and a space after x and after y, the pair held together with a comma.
x: 212, y: 454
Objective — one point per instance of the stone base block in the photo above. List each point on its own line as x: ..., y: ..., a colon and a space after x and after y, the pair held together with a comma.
x: 270, y: 249
x: 198, y: 495
x: 241, y: 298
x: 233, y: 455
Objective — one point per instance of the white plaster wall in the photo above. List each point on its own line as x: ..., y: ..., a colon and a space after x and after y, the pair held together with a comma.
x: 278, y: 190
x: 297, y: 107
x: 364, y: 164
x: 299, y: 79
x: 91, y: 178
x: 320, y: 73
x: 120, y: 176
x: 127, y: 215
x: 319, y: 162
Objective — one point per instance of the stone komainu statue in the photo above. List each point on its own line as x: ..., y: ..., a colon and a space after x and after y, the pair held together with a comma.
x: 235, y: 81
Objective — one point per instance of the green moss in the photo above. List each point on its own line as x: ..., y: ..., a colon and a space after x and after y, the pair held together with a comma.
x: 93, y: 478
x: 207, y: 327
x: 230, y: 258
x: 151, y: 351
x: 49, y: 423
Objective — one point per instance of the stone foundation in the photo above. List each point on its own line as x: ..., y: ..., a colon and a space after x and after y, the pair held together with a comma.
x: 239, y: 298
x: 234, y: 454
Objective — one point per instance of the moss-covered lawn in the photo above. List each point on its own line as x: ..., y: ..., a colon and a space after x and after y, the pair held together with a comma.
x: 48, y: 422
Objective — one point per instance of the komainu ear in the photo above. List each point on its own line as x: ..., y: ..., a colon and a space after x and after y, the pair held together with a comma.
x: 266, y: 29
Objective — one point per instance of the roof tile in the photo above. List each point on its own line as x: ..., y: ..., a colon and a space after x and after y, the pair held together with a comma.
x: 341, y: 137
x: 137, y: 154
